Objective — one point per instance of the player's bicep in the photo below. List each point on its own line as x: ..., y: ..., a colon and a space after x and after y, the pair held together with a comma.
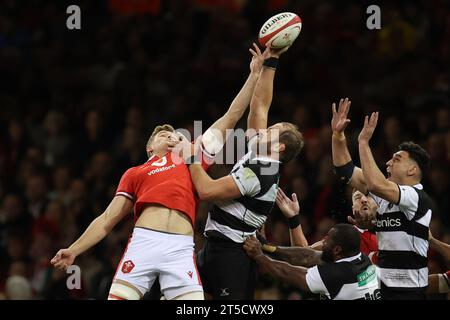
x: 126, y: 186
x: 119, y: 207
x: 388, y: 191
x: 358, y: 181
x: 295, y: 276
x: 224, y: 188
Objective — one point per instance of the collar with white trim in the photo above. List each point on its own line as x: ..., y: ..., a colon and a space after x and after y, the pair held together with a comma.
x: 349, y: 258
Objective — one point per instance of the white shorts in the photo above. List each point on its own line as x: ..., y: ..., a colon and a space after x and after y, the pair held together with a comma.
x: 152, y: 254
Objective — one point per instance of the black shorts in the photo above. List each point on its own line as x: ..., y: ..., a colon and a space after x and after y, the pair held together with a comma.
x: 402, y: 294
x: 226, y: 271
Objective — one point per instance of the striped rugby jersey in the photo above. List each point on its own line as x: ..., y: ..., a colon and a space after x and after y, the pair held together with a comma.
x: 402, y: 233
x: 257, y: 179
x: 353, y: 278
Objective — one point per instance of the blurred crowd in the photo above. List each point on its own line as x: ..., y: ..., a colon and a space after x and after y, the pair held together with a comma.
x: 77, y: 108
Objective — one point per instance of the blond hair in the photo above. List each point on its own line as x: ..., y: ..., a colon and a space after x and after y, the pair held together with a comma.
x: 164, y: 127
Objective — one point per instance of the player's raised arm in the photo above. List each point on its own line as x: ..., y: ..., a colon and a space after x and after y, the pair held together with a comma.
x: 263, y: 93
x: 214, y: 138
x: 375, y: 180
x: 342, y: 161
x: 95, y: 232
x: 291, y: 210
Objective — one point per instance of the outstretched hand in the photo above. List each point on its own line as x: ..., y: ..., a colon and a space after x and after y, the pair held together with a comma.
x: 288, y: 207
x: 340, y: 121
x: 369, y: 127
x: 63, y: 259
x: 258, y: 58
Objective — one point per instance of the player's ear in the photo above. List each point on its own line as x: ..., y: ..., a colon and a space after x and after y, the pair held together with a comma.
x: 337, y: 251
x: 412, y: 170
x: 279, y: 147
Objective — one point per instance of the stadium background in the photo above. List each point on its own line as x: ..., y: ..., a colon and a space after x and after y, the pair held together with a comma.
x: 77, y: 107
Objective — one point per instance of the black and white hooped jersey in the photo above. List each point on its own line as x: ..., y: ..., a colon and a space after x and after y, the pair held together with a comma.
x: 257, y: 179
x: 353, y: 278
x: 402, y: 234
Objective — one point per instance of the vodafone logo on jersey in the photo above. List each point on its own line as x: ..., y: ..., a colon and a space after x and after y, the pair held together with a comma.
x: 160, y: 163
x: 161, y: 169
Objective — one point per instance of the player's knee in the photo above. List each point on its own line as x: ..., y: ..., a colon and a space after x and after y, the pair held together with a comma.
x: 197, y: 295
x: 120, y: 291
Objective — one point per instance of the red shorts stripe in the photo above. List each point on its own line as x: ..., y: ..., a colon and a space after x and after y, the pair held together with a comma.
x: 116, y: 297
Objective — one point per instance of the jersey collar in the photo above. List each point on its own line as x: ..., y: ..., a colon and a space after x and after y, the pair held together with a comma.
x: 418, y: 186
x: 349, y: 258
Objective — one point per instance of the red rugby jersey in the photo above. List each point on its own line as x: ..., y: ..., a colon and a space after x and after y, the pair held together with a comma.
x: 369, y: 244
x: 165, y: 181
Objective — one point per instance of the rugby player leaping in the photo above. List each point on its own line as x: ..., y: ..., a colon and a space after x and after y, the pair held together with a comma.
x: 165, y: 204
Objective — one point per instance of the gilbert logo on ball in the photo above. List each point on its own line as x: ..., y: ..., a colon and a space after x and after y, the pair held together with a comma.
x: 280, y: 30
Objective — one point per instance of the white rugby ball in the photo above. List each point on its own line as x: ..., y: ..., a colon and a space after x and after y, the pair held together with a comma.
x: 280, y: 30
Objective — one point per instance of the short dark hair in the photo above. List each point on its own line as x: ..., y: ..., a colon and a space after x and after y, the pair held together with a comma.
x: 417, y: 153
x: 348, y: 238
x: 292, y: 140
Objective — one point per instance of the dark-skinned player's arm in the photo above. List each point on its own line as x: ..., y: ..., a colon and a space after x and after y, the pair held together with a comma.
x: 293, y: 275
x: 342, y: 161
x: 375, y: 181
x: 101, y: 226
x: 215, y: 136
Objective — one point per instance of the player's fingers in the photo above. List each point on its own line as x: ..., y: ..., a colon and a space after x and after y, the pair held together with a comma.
x: 282, y: 194
x: 279, y: 198
x: 252, y: 52
x: 278, y: 201
x: 333, y: 108
x: 256, y: 48
x: 347, y: 106
x: 55, y: 260
x: 375, y: 118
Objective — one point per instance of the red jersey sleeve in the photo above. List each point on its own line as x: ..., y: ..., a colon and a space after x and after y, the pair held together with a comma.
x: 126, y: 186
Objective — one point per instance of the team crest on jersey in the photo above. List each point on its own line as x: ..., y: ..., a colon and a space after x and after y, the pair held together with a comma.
x: 127, y: 266
x: 190, y: 273
x: 161, y: 162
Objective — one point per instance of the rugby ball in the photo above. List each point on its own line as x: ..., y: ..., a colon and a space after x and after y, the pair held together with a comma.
x: 280, y: 30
